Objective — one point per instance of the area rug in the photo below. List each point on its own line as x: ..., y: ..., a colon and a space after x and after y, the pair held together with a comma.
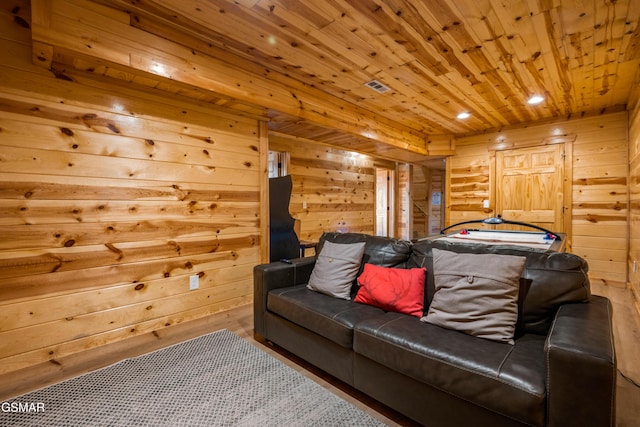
x: 217, y: 379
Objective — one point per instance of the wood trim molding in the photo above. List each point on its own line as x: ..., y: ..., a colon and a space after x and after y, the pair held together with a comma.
x: 568, y: 193
x: 550, y: 140
x: 263, y: 136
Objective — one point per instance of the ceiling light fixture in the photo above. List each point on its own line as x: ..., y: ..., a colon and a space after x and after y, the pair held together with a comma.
x: 535, y: 99
x: 464, y: 115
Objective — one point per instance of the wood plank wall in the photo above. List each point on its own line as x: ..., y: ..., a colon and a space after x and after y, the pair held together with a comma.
x: 110, y: 199
x: 598, y: 188
x: 404, y: 204
x: 634, y: 201
x: 333, y: 189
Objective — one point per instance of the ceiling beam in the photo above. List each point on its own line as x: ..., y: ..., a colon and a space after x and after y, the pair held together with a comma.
x: 63, y: 28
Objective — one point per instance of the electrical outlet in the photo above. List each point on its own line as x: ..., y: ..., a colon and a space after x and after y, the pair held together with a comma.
x: 194, y: 282
x: 304, y: 205
x: 485, y: 204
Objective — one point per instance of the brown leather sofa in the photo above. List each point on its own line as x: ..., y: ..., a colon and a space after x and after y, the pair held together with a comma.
x: 560, y: 372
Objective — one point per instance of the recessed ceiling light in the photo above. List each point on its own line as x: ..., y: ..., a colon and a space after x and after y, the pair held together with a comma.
x: 464, y: 115
x: 535, y: 99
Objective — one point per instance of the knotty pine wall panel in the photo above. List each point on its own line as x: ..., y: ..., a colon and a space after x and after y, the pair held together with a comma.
x: 404, y: 184
x: 110, y: 198
x: 467, y: 174
x: 599, y: 164
x: 634, y: 202
x: 336, y: 186
x: 600, y: 194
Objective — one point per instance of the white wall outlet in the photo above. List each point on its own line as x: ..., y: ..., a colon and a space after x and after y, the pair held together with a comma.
x: 485, y: 204
x: 304, y: 204
x: 194, y: 282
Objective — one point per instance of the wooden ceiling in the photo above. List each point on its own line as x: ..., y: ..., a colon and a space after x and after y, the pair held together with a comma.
x: 304, y: 63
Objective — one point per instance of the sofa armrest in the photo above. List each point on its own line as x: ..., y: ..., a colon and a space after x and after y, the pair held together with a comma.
x: 581, y: 365
x: 273, y: 276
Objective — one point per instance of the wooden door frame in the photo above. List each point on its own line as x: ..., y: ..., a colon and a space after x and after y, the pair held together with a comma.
x: 391, y: 191
x: 402, y: 203
x: 263, y: 138
x: 428, y: 173
x: 567, y: 185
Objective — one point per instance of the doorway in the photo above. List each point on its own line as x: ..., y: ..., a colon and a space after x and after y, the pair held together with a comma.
x: 529, y: 186
x: 427, y: 198
x: 278, y: 163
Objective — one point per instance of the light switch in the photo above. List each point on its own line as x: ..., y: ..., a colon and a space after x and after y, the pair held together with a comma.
x: 194, y: 282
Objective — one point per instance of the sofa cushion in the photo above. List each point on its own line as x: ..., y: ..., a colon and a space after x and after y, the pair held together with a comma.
x: 476, y: 294
x: 555, y: 278
x: 506, y: 379
x: 336, y: 268
x: 330, y: 317
x: 378, y: 250
x: 392, y: 289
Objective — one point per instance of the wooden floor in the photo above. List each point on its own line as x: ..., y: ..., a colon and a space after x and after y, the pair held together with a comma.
x: 240, y: 321
x: 626, y: 330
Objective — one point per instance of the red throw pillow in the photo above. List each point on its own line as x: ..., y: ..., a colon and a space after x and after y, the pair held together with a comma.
x: 392, y: 289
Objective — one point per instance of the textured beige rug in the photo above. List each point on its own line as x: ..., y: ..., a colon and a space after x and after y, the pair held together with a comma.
x: 217, y: 379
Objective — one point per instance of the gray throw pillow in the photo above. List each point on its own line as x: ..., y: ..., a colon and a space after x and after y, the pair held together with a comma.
x: 336, y: 268
x: 476, y: 293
